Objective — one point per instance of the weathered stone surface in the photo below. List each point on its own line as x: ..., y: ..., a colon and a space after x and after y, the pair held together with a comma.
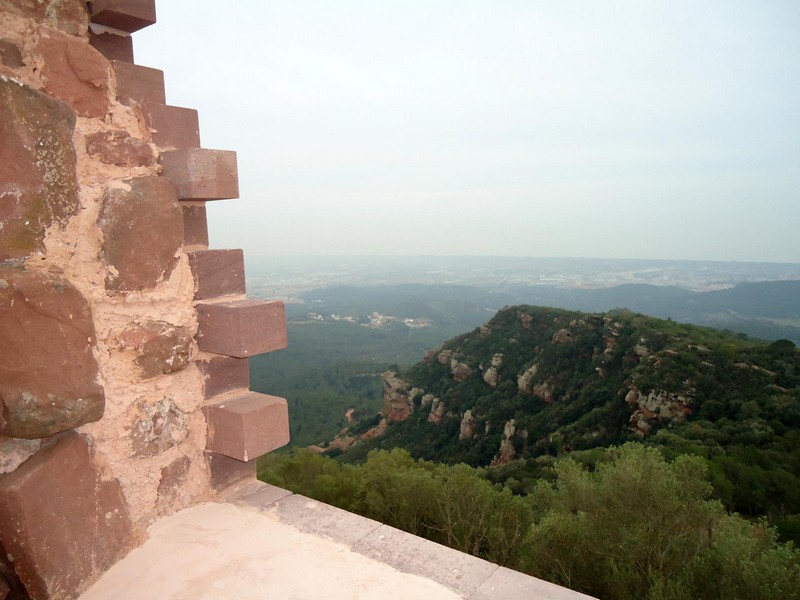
x: 317, y: 518
x: 143, y: 230
x: 226, y: 471
x: 156, y: 427
x: 408, y: 553
x: 173, y: 477
x: 513, y: 585
x: 62, y: 520
x: 173, y: 126
x: 241, y: 328
x: 113, y: 46
x: 119, y: 148
x: 202, y: 174
x: 70, y: 16
x: 15, y: 451
x: 247, y: 426
x: 10, y: 54
x: 217, y: 273
x: 48, y: 374
x: 74, y: 72
x: 38, y: 185
x: 127, y: 15
x: 161, y: 348
x: 223, y: 374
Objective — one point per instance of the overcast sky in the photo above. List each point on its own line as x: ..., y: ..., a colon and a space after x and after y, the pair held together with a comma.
x: 575, y: 128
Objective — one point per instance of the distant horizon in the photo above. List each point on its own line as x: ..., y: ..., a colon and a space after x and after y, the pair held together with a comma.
x: 255, y: 254
x: 464, y: 127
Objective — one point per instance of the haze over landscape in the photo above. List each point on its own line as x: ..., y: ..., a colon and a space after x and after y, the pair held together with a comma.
x: 540, y: 271
x: 572, y: 129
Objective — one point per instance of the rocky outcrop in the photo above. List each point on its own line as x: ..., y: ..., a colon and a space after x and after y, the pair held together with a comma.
x: 610, y: 337
x: 459, y: 370
x: 397, y: 398
x: 563, y: 336
x: 657, y: 406
x: 467, y: 429
x: 526, y: 379
x: 438, y: 411
x: 506, y: 453
x: 544, y: 392
x: 491, y: 375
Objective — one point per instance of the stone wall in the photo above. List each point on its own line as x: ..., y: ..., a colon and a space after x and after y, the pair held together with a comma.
x: 124, y: 339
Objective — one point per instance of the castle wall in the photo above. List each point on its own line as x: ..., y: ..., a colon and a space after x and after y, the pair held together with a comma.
x: 124, y: 339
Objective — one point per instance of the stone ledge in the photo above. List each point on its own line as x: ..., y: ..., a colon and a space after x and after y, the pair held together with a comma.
x: 201, y: 173
x: 462, y: 573
x: 312, y: 516
x: 138, y: 85
x: 173, y: 126
x: 247, y: 426
x: 217, y: 273
x: 241, y: 328
x: 506, y: 583
x: 466, y: 575
x: 112, y: 46
x: 125, y: 15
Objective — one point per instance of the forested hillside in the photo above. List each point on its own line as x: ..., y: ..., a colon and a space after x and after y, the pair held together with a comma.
x: 607, y: 452
x: 538, y: 383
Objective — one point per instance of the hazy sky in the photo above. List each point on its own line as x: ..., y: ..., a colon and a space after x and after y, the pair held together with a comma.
x: 576, y: 128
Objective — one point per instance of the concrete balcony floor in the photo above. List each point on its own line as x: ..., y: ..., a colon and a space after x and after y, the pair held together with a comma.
x: 262, y: 542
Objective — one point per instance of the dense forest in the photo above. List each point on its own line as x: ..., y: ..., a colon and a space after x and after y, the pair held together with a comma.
x: 332, y: 366
x: 574, y: 446
x: 635, y: 526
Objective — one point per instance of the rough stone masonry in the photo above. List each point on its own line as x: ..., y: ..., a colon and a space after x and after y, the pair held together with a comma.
x: 124, y: 387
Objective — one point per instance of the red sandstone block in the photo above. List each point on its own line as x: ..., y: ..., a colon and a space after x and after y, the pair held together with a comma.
x: 223, y: 374
x: 195, y: 224
x: 127, y: 15
x: 217, y: 273
x: 138, y: 84
x: 241, y: 328
x: 247, y: 426
x: 74, y: 72
x: 202, y: 174
x: 62, y: 519
x: 173, y: 126
x: 112, y: 46
x: 226, y: 471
